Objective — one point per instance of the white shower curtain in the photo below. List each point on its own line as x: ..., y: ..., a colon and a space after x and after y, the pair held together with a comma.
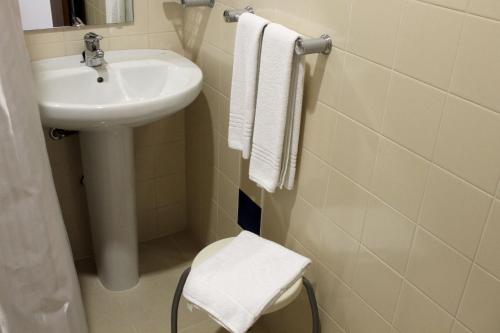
x: 39, y: 291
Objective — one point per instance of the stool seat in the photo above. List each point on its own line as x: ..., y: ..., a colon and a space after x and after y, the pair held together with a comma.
x: 286, y: 298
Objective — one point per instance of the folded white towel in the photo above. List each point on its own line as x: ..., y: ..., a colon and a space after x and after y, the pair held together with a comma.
x: 244, y: 85
x: 278, y: 112
x: 237, y: 284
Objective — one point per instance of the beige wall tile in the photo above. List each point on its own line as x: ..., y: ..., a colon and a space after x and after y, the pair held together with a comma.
x: 165, y: 40
x: 210, y: 100
x: 171, y: 219
x: 306, y: 225
x: 469, y: 143
x: 338, y: 251
x: 145, y: 162
x: 214, y: 25
x: 330, y: 17
x: 169, y: 129
x: 353, y: 150
x: 226, y: 73
x: 399, y: 178
x: 328, y: 324
x: 376, y: 283
x: 295, y: 15
x: 477, y: 72
x: 333, y: 296
x: 388, y: 234
x: 488, y: 8
x: 454, y: 211
x: 489, y: 252
x: 364, y: 319
x: 459, y: 328
x: 170, y: 189
x: 44, y: 36
x: 145, y: 190
x: 228, y: 196
x: 207, y: 59
x: 223, y: 116
x: 481, y: 302
x: 128, y: 42
x: 229, y: 161
x: 311, y: 179
x: 276, y: 214
x: 44, y: 51
x: 324, y: 78
x: 438, y: 270
x: 170, y: 158
x: 319, y: 126
x: 346, y: 204
x: 416, y: 313
x: 427, y: 51
x: 147, y: 225
x: 226, y: 226
x: 413, y: 114
x: 364, y: 91
x: 164, y: 16
x: 374, y: 36
x: 209, y: 217
x: 455, y: 4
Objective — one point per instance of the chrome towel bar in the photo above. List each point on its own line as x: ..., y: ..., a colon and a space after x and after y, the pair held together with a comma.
x: 323, y: 44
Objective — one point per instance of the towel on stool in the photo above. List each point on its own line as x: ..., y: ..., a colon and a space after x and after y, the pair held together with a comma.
x: 238, y: 283
x: 244, y: 83
x: 279, y: 107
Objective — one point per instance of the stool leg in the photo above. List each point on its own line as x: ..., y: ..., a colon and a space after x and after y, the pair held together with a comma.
x: 177, y: 299
x: 314, y: 305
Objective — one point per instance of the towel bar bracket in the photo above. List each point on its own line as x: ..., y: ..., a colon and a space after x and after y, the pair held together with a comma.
x: 232, y: 16
x: 323, y: 45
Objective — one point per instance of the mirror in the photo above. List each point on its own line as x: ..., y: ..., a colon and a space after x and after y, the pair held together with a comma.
x: 46, y: 14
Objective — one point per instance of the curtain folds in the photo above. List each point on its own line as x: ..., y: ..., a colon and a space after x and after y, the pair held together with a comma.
x: 39, y: 291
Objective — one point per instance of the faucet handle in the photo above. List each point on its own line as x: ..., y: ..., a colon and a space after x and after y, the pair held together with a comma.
x: 92, y: 40
x: 91, y: 37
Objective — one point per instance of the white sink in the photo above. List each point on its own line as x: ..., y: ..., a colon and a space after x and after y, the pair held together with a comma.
x: 132, y: 88
x: 139, y: 86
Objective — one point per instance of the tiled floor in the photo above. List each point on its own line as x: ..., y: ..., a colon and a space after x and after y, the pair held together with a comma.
x: 146, y: 308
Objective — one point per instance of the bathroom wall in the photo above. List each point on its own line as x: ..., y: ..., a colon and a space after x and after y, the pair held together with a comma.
x: 160, y: 157
x: 398, y: 197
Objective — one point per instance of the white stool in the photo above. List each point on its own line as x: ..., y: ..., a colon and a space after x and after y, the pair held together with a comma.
x: 285, y: 299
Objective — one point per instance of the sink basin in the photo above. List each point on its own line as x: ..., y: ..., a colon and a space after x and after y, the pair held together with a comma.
x: 139, y: 86
x: 132, y: 88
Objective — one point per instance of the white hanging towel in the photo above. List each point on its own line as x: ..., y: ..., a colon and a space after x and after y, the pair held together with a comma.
x: 237, y: 284
x: 279, y: 107
x: 244, y: 85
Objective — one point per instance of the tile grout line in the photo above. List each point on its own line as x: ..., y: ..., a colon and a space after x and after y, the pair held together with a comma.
x: 474, y: 260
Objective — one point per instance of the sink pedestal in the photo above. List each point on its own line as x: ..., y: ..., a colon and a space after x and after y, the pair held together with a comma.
x: 138, y: 88
x: 108, y: 167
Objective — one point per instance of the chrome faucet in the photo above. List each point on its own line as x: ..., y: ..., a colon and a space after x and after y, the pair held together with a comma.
x: 93, y: 56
